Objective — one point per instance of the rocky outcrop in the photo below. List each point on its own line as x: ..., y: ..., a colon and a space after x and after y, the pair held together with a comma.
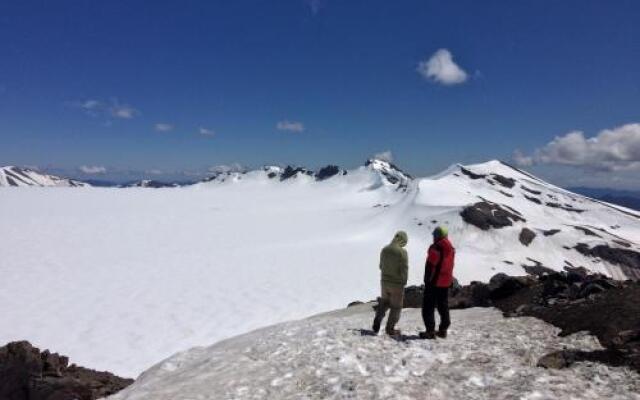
x: 628, y: 260
x: 28, y: 374
x: 486, y: 215
x: 291, y: 172
x: 327, y: 172
x: 575, y: 302
x: 504, y: 181
x: 526, y: 236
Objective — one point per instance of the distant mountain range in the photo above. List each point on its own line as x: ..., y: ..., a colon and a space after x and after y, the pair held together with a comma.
x: 19, y: 176
x: 625, y: 198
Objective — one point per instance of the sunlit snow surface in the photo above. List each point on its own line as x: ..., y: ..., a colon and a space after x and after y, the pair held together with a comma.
x: 486, y: 356
x: 119, y: 279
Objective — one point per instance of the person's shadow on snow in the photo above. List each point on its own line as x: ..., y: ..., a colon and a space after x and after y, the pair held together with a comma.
x: 399, y: 338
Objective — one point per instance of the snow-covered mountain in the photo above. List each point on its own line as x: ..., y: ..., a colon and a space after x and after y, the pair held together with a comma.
x: 16, y: 176
x: 166, y: 270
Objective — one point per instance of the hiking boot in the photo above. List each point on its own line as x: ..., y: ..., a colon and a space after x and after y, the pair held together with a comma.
x: 442, y: 334
x: 393, y: 332
x: 427, y: 335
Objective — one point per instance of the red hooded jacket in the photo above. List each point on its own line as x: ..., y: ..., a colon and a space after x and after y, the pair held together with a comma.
x: 439, y: 266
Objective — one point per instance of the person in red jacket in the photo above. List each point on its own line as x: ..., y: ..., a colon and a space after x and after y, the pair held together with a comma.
x: 438, y: 277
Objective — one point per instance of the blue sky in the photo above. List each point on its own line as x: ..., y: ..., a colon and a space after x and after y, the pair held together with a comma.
x: 170, y: 86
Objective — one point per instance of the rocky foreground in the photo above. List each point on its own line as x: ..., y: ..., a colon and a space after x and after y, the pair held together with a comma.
x: 335, y: 356
x: 573, y: 301
x: 26, y: 373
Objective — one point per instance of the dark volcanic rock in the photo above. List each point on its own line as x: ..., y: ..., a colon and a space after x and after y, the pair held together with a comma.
x: 471, y: 174
x: 587, y: 231
x: 290, y: 172
x: 475, y: 294
x: 536, y: 192
x: 485, y: 215
x: 413, y: 296
x: 562, y: 207
x: 565, y: 358
x: 533, y: 199
x: 606, y: 308
x: 627, y: 259
x: 327, y: 172
x: 504, y: 181
x: 550, y: 232
x: 526, y: 236
x: 537, y: 269
x: 502, y: 285
x: 28, y: 374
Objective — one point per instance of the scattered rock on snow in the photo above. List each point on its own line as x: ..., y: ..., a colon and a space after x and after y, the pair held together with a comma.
x: 485, y: 215
x: 537, y: 269
x: 471, y: 174
x: 587, y: 231
x: 628, y: 260
x: 533, y: 199
x: 504, y: 181
x: 526, y: 236
x: 536, y: 192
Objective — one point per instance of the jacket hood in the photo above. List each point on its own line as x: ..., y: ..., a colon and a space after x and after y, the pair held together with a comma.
x: 400, y: 238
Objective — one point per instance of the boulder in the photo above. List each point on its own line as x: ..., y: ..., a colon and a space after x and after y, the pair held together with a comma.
x: 556, y: 360
x: 526, y: 236
x: 28, y: 374
x: 413, y: 296
x: 502, y: 285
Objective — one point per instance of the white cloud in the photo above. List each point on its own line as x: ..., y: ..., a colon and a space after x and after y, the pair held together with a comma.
x: 108, y: 109
x: 206, y: 132
x: 521, y: 159
x: 92, y: 169
x: 290, y: 126
x: 384, y: 156
x: 616, y: 149
x: 154, y: 171
x: 441, y: 68
x: 122, y: 111
x: 163, y: 127
x: 234, y: 167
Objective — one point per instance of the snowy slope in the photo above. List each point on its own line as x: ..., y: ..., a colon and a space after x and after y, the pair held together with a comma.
x: 120, y: 279
x: 327, y: 357
x: 16, y: 176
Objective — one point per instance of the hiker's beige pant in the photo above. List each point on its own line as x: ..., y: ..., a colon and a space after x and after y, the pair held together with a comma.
x: 391, y: 297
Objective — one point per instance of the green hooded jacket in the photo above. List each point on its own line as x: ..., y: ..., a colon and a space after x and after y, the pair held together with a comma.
x: 394, y: 262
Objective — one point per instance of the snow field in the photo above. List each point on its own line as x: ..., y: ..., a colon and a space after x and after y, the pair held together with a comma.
x: 325, y: 357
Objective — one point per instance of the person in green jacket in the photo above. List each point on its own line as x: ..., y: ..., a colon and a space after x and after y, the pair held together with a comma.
x: 394, y: 268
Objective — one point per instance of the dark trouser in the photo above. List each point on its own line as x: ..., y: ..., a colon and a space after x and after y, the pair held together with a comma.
x: 435, y: 297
